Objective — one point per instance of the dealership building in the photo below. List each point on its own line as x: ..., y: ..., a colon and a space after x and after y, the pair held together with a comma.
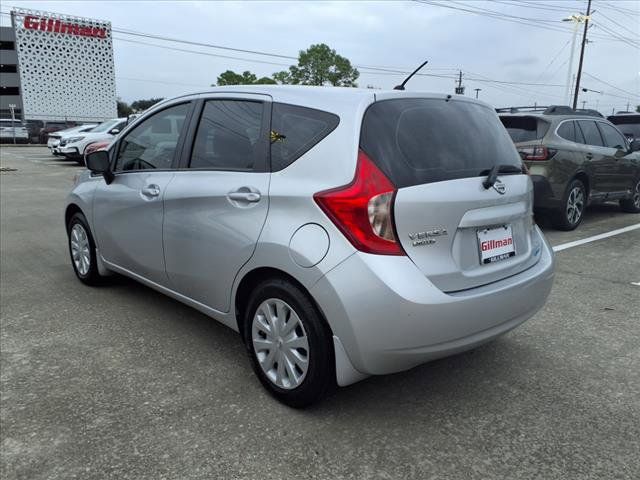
x: 56, y: 68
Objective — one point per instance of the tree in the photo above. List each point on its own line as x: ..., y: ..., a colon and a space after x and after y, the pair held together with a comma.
x: 245, y: 78
x: 124, y: 110
x: 320, y: 65
x: 142, y: 105
x: 638, y: 108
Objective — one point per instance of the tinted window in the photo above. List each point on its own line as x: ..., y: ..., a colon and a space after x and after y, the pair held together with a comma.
x: 612, y: 138
x: 416, y: 141
x: 228, y: 135
x: 524, y: 129
x: 590, y: 132
x: 567, y: 131
x: 295, y: 130
x: 627, y: 124
x: 8, y: 68
x: 153, y: 143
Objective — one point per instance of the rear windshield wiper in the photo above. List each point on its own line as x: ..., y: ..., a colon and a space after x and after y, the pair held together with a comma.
x: 492, y: 175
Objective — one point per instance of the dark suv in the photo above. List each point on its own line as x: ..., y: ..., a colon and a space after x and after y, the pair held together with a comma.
x: 575, y: 158
x: 627, y: 123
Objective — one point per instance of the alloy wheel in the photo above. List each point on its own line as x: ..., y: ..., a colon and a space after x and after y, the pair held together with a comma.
x: 575, y: 205
x: 280, y: 343
x: 80, y: 249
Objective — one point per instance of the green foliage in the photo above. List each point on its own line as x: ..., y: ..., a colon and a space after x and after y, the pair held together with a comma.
x: 124, y: 110
x: 142, y: 105
x: 638, y: 108
x: 320, y: 65
x: 245, y: 78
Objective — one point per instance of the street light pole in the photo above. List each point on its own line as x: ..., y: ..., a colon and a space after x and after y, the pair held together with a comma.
x: 13, y: 121
x: 584, y: 42
x: 477, y: 90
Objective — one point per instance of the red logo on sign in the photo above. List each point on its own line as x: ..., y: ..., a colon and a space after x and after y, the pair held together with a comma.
x: 57, y: 26
x: 491, y: 244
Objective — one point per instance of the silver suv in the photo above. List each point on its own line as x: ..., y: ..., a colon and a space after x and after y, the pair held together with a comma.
x: 343, y: 232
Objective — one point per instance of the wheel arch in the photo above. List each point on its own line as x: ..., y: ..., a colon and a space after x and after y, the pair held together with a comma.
x: 69, y: 212
x: 584, y: 178
x: 252, y: 278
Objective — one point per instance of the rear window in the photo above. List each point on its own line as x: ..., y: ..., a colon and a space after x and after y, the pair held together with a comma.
x: 418, y: 140
x: 627, y: 124
x: 525, y: 129
x: 295, y: 130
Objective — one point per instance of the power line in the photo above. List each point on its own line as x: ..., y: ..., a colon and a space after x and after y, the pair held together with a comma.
x: 637, y: 94
x: 618, y: 24
x: 618, y: 8
x: 531, y: 22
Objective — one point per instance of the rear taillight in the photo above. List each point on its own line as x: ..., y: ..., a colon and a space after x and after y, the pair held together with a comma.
x: 537, y: 152
x: 362, y: 210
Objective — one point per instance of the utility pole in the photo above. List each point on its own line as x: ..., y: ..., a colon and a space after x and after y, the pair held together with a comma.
x: 460, y: 88
x: 477, y: 90
x: 584, y: 42
x: 584, y: 103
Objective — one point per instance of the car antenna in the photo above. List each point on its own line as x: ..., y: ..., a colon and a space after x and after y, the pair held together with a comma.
x: 401, y: 86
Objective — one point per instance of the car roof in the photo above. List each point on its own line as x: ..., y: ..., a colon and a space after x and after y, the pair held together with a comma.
x: 328, y: 98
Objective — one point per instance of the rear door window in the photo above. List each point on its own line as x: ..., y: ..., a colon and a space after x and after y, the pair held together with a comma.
x: 229, y: 136
x: 590, y: 132
x: 419, y: 140
x: 524, y: 129
x: 295, y: 130
x: 612, y: 138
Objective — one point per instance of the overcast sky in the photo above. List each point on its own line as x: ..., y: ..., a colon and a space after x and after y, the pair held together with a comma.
x: 390, y: 34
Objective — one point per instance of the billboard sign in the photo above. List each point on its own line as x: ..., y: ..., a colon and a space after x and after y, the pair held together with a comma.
x: 65, y: 65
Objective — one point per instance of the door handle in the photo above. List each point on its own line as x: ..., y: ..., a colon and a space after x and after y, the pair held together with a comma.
x: 152, y: 190
x: 589, y: 156
x: 239, y: 196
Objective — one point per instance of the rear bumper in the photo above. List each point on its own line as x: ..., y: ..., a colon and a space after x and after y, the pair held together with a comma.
x: 544, y: 197
x: 389, y: 317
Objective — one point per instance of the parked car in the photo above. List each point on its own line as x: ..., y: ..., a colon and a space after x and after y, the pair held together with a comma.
x: 575, y: 159
x: 73, y: 146
x: 627, y: 123
x: 54, y: 138
x: 10, y: 129
x: 342, y: 232
x: 50, y: 127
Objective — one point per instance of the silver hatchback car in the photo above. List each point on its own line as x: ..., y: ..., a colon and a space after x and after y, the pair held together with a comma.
x: 343, y: 232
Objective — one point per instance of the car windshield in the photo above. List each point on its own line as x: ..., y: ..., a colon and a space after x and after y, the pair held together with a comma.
x: 105, y: 126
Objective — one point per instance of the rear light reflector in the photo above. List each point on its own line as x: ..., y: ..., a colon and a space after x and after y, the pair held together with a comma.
x: 363, y: 209
x: 536, y: 153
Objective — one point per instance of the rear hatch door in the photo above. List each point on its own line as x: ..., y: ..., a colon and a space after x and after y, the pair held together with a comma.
x: 458, y: 230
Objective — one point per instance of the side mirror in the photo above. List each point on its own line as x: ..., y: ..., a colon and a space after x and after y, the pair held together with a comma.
x: 635, y: 146
x: 114, y: 131
x: 620, y: 153
x: 98, y: 162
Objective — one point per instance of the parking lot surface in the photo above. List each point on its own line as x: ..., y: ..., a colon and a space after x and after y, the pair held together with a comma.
x: 123, y: 382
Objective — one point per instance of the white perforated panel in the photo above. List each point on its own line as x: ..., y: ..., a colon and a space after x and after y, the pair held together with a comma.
x: 66, y: 66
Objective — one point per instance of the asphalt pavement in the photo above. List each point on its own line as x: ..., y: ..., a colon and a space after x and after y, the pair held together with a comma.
x: 123, y: 382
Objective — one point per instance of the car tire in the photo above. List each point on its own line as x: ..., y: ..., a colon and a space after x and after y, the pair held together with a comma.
x: 632, y: 205
x: 574, y: 205
x: 294, y: 361
x: 82, y: 250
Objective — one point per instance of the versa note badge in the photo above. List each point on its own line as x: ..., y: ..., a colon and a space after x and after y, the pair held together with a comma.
x: 426, y: 238
x: 500, y: 187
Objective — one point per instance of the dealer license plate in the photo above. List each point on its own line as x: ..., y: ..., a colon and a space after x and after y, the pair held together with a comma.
x: 495, y: 244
